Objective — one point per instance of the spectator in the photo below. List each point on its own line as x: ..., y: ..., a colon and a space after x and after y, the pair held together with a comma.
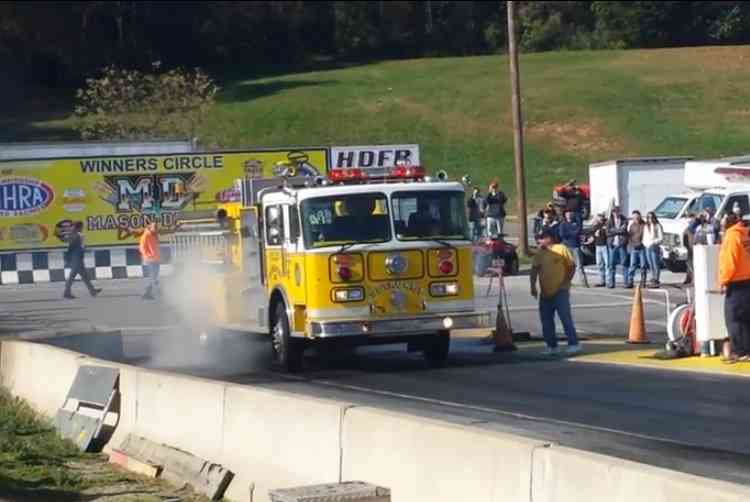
x: 76, y: 253
x: 495, y: 210
x: 653, y: 235
x: 637, y: 249
x: 574, y: 200
x: 149, y: 246
x: 475, y: 206
x: 734, y: 279
x: 688, y: 240
x: 554, y: 267
x: 707, y: 232
x: 617, y: 239
x: 570, y: 235
x: 552, y: 224
x: 599, y: 239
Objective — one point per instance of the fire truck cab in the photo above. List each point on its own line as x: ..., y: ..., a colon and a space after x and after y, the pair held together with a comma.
x: 353, y: 260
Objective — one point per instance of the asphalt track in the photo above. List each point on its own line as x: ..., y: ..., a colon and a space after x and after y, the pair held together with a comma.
x: 684, y: 421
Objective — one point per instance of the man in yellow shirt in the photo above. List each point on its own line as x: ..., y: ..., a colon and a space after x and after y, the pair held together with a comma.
x: 734, y: 279
x: 554, y: 267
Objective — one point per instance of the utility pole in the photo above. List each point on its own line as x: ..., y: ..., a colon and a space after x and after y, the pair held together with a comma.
x: 515, y: 82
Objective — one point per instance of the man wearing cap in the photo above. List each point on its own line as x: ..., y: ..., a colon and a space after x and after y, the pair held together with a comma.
x: 554, y: 267
x: 495, y: 210
x: 599, y: 239
x: 734, y: 279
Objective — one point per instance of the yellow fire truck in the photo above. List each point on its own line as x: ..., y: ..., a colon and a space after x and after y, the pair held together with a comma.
x: 358, y: 258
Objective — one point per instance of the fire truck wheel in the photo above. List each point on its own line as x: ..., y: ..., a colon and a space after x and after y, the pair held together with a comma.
x: 287, y: 351
x: 436, y: 352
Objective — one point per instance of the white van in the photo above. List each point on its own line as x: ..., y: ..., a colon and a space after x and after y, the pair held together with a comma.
x: 721, y: 199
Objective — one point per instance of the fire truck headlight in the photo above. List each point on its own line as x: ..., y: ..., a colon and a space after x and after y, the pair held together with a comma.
x: 348, y: 295
x: 443, y: 289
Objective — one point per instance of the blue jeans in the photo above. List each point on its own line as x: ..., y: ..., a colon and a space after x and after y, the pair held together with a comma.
x: 495, y: 225
x: 602, y: 261
x: 152, y: 269
x: 653, y: 254
x: 559, y: 303
x: 617, y: 255
x: 580, y: 271
x: 476, y: 230
x: 637, y: 260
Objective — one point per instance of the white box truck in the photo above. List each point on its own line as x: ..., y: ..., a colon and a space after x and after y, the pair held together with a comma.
x: 719, y: 184
x: 637, y: 183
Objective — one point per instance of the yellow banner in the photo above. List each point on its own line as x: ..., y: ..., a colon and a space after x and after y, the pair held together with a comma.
x: 41, y: 199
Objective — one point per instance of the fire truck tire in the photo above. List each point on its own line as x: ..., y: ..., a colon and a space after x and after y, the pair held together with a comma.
x: 287, y: 351
x: 436, y: 352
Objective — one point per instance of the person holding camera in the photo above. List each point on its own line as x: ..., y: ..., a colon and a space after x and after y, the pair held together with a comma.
x: 637, y: 249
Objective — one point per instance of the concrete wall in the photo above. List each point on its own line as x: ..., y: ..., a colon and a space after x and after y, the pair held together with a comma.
x: 272, y: 439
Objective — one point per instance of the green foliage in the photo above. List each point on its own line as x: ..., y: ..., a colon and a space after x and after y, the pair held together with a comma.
x: 31, y: 453
x: 129, y: 104
x: 58, y: 42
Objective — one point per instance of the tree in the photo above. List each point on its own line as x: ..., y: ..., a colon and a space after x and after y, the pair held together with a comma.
x: 128, y: 104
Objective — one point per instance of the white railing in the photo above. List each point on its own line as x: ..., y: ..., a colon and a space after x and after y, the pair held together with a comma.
x: 210, y: 247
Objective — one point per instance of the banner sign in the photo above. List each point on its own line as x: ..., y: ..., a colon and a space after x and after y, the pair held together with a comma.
x: 41, y: 199
x: 373, y: 157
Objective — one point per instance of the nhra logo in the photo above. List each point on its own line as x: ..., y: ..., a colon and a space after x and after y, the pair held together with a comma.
x: 22, y: 196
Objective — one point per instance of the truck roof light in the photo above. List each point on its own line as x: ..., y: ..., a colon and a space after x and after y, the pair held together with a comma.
x: 348, y: 174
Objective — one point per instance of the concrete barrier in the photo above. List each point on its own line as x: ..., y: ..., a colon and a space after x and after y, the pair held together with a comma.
x: 279, y: 440
x: 566, y: 475
x: 38, y: 373
x: 271, y: 439
x: 428, y: 460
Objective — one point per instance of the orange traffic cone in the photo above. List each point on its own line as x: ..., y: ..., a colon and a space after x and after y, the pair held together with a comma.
x: 637, y: 332
x: 502, y: 334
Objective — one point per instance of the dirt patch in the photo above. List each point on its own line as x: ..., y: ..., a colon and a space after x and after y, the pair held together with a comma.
x: 686, y: 65
x: 582, y: 138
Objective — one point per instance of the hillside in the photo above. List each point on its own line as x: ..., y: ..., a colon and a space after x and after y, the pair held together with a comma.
x: 578, y: 107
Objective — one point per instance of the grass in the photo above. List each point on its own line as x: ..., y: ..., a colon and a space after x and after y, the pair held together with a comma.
x: 32, y: 456
x: 579, y: 107
x: 36, y: 464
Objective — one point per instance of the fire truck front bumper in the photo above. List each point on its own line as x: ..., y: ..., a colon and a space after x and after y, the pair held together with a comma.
x: 398, y: 326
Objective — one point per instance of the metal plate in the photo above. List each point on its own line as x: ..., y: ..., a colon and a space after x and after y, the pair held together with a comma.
x: 80, y: 429
x: 94, y: 384
x: 94, y: 388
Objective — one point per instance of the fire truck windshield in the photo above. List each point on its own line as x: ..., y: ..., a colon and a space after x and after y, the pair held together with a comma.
x: 345, y: 219
x: 435, y: 214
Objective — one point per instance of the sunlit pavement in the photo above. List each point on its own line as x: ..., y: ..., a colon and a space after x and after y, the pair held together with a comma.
x: 639, y: 413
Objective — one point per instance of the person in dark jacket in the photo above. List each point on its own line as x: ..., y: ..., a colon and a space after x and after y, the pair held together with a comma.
x: 688, y: 240
x: 550, y: 224
x: 495, y: 210
x: 637, y: 249
x: 570, y: 235
x: 617, y: 240
x: 599, y: 239
x: 76, y: 251
x: 475, y: 206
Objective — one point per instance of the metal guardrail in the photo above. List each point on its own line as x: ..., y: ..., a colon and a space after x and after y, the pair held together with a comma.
x: 201, y: 247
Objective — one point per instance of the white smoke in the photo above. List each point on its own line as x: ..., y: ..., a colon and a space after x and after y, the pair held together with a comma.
x: 196, y: 293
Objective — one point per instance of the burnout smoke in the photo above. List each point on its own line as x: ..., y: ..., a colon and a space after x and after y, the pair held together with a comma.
x: 195, y: 294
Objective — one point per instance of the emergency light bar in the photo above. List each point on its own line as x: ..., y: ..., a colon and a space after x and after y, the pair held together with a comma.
x: 399, y: 172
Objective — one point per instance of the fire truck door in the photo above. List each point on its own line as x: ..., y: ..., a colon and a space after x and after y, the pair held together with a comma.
x: 254, y: 291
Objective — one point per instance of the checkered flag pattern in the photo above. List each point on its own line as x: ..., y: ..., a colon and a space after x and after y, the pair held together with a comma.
x: 50, y: 266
